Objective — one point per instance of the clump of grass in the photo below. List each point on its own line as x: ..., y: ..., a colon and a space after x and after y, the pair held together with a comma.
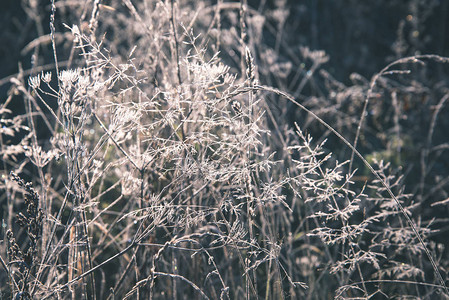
x: 181, y: 164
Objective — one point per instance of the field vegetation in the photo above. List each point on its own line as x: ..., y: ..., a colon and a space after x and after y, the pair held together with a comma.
x: 185, y: 149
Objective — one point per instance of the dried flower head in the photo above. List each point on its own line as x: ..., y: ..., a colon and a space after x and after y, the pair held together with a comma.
x: 34, y: 81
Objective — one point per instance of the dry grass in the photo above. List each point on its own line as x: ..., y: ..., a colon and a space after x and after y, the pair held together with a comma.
x: 188, y: 158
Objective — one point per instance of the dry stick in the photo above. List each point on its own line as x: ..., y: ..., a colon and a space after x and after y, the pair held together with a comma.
x: 367, y: 164
x: 139, y: 258
x: 89, y: 253
x: 243, y: 35
x: 80, y: 229
x: 246, y: 57
x: 172, y: 22
x: 183, y: 136
x: 52, y: 36
x: 93, y: 22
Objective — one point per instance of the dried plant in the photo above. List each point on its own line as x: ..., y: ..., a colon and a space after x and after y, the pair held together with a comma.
x: 22, y: 261
x: 180, y: 149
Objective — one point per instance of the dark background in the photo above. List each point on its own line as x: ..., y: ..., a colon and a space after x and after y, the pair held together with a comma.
x: 359, y: 36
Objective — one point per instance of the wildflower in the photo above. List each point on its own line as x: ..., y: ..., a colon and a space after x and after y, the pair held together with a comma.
x: 34, y: 82
x: 46, y: 77
x: 69, y: 76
